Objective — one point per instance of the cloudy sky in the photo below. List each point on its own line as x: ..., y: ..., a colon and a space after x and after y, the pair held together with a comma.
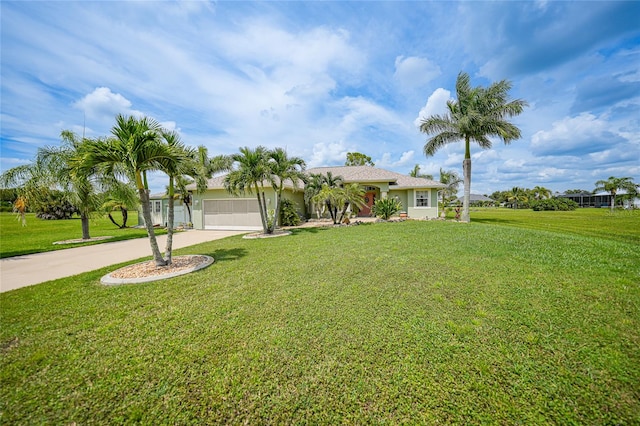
x: 325, y: 78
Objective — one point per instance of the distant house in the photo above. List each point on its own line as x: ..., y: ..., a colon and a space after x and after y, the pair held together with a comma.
x: 476, y: 199
x: 217, y: 209
x: 601, y: 199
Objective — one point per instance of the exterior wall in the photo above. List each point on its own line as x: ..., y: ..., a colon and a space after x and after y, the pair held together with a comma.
x: 221, y: 194
x: 422, y: 212
x: 400, y: 195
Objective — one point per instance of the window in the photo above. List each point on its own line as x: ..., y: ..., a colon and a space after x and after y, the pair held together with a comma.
x: 422, y: 198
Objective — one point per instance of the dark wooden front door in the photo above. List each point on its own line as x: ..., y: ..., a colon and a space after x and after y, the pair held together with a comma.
x: 369, y: 199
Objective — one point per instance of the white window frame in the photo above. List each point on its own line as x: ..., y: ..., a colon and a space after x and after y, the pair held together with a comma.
x: 415, y: 199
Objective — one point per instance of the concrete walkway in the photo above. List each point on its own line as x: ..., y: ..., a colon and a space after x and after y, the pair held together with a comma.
x: 22, y: 271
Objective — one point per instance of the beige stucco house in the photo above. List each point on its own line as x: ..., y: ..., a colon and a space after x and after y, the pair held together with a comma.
x: 217, y: 209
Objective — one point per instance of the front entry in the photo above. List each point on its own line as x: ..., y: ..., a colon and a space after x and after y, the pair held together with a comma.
x: 369, y: 199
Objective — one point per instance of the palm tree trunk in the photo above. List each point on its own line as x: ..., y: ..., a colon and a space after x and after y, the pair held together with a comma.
x: 146, y: 214
x: 466, y: 169
x: 113, y: 220
x: 84, y: 219
x: 168, y: 251
x: 613, y: 201
x: 125, y: 216
x: 262, y: 207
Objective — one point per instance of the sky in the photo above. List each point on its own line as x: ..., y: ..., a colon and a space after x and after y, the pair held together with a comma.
x: 324, y: 78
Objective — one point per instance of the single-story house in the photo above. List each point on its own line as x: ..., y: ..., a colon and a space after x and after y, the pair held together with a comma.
x: 475, y: 199
x: 601, y: 199
x: 215, y: 208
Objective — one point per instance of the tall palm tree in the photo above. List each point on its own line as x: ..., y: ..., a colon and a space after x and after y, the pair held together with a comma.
x: 312, y: 187
x: 452, y: 180
x: 250, y: 175
x: 613, y: 185
x: 182, y: 162
x: 136, y: 148
x: 477, y: 114
x: 331, y: 197
x: 283, y: 168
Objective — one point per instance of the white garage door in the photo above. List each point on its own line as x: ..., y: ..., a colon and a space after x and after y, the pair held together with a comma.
x: 240, y: 215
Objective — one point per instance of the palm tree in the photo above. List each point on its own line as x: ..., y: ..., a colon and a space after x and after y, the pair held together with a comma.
x: 476, y: 115
x: 283, y: 168
x: 540, y: 192
x: 135, y: 149
x: 251, y: 173
x: 613, y: 184
x: 330, y: 196
x: 350, y: 195
x: 182, y: 162
x: 451, y: 180
x: 517, y: 194
x: 415, y: 172
x: 59, y: 168
x: 312, y: 187
x: 121, y: 197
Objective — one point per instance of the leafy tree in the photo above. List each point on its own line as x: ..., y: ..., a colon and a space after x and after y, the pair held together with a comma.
x: 452, y: 180
x: 283, y: 168
x: 135, y: 149
x: 561, y: 204
x: 516, y: 195
x: 330, y: 196
x: 613, y: 185
x: 577, y: 191
x: 358, y: 159
x: 415, y: 172
x: 384, y: 208
x: 477, y: 114
x: 288, y: 214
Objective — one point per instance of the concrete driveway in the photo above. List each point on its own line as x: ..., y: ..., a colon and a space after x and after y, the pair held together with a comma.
x: 22, y: 271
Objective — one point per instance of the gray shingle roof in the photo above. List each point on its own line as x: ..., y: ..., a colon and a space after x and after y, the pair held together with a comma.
x: 352, y: 174
x: 368, y: 174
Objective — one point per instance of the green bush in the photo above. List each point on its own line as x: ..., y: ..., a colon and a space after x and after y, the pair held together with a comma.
x: 559, y: 204
x: 288, y: 213
x: 386, y: 207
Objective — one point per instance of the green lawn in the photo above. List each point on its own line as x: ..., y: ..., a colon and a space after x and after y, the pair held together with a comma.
x: 413, y: 322
x: 39, y: 235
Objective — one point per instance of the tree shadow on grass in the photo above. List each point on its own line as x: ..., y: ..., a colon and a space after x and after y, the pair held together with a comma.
x: 310, y: 230
x: 223, y: 255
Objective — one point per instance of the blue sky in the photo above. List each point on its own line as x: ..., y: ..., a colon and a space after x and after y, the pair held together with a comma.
x: 326, y: 78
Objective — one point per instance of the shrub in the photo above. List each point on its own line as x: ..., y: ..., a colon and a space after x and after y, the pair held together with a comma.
x: 288, y: 213
x: 561, y: 204
x: 386, y: 207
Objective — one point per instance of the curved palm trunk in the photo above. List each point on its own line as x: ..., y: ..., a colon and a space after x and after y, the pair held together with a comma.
x: 466, y: 169
x: 84, y: 219
x: 125, y: 216
x: 146, y: 214
x: 113, y: 220
x: 262, y: 206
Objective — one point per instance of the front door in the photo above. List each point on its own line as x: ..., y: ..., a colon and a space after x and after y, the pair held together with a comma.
x: 369, y: 199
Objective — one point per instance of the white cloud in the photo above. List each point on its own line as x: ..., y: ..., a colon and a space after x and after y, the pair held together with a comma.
x: 436, y: 105
x: 328, y: 154
x: 102, y: 103
x: 386, y: 161
x: 414, y: 72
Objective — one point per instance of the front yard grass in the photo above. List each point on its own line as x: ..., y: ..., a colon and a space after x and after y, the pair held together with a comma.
x: 412, y: 322
x: 39, y: 235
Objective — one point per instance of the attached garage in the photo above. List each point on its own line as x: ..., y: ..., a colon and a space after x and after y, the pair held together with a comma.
x: 232, y: 214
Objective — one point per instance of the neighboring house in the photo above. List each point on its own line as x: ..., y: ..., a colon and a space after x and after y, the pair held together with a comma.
x: 474, y: 199
x: 601, y: 199
x: 159, y: 204
x: 217, y: 209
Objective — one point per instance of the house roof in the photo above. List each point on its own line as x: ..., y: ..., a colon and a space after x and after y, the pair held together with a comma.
x: 475, y: 198
x: 369, y: 174
x: 351, y: 174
